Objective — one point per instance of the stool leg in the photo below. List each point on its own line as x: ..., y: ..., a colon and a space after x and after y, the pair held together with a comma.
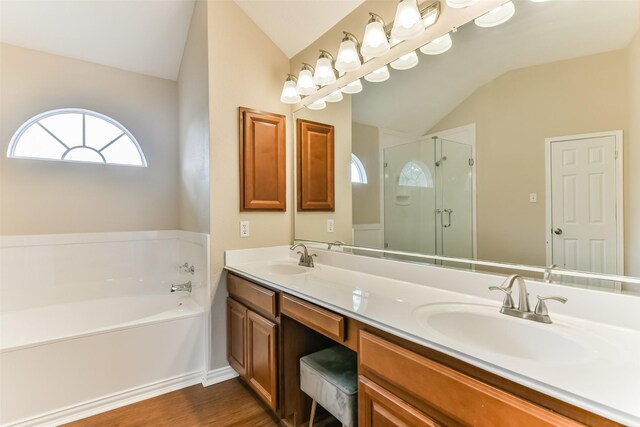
x: 313, y: 413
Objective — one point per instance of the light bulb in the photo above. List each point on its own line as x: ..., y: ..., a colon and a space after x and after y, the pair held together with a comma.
x: 405, y: 62
x: 317, y: 105
x: 374, y: 42
x: 335, y: 96
x: 324, y: 73
x: 353, y: 87
x: 430, y: 17
x: 348, y: 58
x: 379, y: 75
x: 437, y: 46
x: 305, y: 85
x: 289, y: 92
x: 458, y: 4
x: 497, y: 16
x: 408, y: 21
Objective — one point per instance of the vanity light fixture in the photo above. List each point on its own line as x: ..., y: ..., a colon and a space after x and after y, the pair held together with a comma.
x: 437, y: 46
x: 305, y: 85
x: 324, y: 73
x: 289, y: 92
x: 408, y: 21
x: 539, y: 1
x: 379, y: 75
x: 335, y: 96
x: 497, y: 16
x: 352, y: 88
x: 459, y: 4
x: 374, y: 42
x: 348, y: 58
x: 317, y: 105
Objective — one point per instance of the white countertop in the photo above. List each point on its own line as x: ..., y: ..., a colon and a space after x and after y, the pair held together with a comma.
x: 607, y: 382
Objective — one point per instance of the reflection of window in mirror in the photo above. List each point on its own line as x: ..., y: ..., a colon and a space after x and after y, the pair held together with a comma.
x: 415, y: 174
x: 358, y: 174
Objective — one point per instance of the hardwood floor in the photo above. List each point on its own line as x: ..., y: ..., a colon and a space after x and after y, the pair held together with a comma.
x: 230, y: 403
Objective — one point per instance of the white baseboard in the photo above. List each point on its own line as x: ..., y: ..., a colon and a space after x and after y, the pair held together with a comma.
x: 218, y: 375
x: 113, y: 401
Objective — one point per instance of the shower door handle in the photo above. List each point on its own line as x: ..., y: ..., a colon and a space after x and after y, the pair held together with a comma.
x: 449, y: 212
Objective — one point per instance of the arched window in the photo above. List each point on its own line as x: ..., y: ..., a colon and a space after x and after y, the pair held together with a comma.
x: 358, y: 174
x: 415, y: 174
x: 76, y: 135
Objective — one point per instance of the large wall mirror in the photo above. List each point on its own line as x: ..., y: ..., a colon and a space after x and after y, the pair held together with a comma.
x: 515, y: 144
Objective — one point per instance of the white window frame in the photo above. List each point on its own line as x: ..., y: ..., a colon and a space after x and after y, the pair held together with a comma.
x: 360, y: 168
x: 15, y: 140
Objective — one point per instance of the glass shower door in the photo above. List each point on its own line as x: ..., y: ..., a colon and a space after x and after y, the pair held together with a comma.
x: 454, y: 199
x: 409, y: 197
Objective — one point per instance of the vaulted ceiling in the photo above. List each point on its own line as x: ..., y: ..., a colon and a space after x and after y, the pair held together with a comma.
x: 148, y: 36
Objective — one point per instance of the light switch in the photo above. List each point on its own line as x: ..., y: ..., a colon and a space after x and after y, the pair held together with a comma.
x: 533, y: 197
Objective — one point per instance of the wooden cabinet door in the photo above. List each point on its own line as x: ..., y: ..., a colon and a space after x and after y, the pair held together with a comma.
x: 315, y: 166
x: 236, y: 336
x: 263, y: 161
x: 261, y: 357
x: 379, y: 407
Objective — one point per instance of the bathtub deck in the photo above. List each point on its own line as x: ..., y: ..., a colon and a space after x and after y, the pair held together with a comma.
x: 229, y: 403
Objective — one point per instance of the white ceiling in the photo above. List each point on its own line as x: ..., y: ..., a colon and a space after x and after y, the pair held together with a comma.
x: 145, y: 36
x: 413, y: 101
x: 294, y: 24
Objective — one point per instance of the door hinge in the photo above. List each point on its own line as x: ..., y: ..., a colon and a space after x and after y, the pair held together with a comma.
x: 616, y: 156
x: 471, y: 162
x: 386, y: 164
x: 386, y: 245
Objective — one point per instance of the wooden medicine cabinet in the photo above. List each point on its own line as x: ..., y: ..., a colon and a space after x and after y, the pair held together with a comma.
x: 315, y: 166
x: 263, y: 168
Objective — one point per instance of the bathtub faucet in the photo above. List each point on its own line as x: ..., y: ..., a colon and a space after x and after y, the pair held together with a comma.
x: 182, y: 288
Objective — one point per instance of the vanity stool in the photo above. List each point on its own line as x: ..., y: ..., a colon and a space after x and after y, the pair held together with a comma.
x: 330, y: 378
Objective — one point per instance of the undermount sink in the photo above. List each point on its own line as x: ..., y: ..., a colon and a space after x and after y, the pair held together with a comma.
x: 282, y: 269
x: 484, y: 328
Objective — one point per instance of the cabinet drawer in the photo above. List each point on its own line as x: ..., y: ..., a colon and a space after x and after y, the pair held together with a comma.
x: 450, y: 393
x: 263, y: 300
x: 379, y: 407
x: 317, y: 318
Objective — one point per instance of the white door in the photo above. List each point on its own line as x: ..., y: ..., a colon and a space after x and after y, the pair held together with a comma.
x: 584, y: 204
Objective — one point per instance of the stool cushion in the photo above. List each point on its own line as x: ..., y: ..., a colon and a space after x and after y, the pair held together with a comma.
x: 330, y: 377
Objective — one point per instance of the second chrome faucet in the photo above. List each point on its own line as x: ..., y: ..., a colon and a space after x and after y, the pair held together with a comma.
x: 523, y: 310
x: 306, y: 259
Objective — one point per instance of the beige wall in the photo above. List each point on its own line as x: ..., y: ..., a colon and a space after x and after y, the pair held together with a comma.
x: 39, y: 197
x: 245, y: 69
x: 193, y: 118
x: 514, y: 114
x: 313, y: 225
x: 632, y: 162
x: 366, y: 197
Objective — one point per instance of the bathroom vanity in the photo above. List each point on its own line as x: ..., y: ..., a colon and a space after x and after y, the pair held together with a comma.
x: 412, y: 370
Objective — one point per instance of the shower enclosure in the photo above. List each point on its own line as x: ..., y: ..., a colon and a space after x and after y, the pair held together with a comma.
x: 428, y: 197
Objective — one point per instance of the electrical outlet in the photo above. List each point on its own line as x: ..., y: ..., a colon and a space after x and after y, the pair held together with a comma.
x: 244, y: 228
x: 533, y: 197
x: 330, y: 226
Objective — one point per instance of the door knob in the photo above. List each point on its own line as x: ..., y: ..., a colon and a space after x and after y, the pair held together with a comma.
x: 557, y: 231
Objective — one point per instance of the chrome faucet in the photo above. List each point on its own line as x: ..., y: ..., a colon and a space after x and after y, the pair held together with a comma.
x: 523, y: 310
x: 548, y: 272
x: 306, y: 260
x: 334, y: 243
x: 184, y: 287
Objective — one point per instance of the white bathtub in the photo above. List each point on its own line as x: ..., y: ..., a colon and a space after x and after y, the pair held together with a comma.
x: 70, y: 349
x: 38, y: 326
x: 73, y: 360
